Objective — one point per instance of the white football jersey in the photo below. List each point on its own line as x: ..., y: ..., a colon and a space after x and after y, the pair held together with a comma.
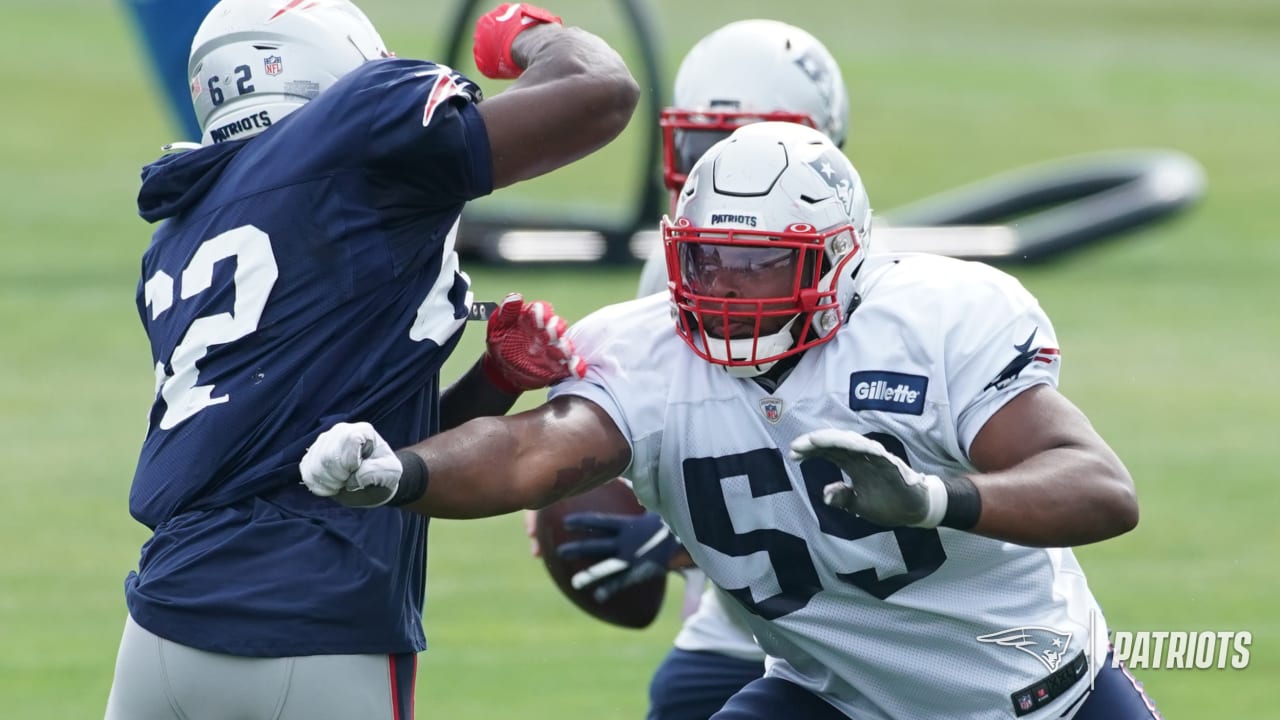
x: 884, y: 623
x: 709, y: 628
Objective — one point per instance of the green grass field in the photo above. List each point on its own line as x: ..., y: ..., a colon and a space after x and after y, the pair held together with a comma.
x: 1170, y: 336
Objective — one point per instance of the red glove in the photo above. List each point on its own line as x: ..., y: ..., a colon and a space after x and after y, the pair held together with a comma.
x: 526, y: 348
x: 497, y: 29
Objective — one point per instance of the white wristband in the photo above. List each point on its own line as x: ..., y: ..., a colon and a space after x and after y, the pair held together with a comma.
x: 937, y: 509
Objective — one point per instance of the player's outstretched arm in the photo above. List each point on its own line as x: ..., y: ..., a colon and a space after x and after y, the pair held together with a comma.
x: 488, y: 466
x: 573, y: 93
x: 493, y: 466
x: 1048, y: 478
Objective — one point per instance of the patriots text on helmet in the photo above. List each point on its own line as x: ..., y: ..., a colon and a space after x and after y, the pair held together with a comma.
x: 230, y: 130
x: 724, y: 218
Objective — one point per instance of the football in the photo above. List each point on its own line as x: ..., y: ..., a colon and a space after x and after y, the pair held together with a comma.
x: 636, y: 606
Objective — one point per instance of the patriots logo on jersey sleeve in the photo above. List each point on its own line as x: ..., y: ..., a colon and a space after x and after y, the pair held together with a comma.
x: 1044, y: 644
x: 448, y: 84
x: 1026, y: 355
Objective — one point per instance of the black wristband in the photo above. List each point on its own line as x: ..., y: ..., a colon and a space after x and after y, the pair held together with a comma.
x: 413, y: 478
x: 964, y: 504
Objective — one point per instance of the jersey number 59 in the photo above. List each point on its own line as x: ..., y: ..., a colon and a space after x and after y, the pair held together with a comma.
x: 793, y: 566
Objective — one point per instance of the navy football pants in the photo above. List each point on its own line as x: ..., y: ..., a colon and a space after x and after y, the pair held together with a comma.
x: 694, y: 685
x: 1115, y: 696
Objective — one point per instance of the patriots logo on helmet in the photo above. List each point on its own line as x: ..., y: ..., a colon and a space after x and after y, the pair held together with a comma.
x: 1026, y: 355
x: 810, y: 63
x: 833, y: 172
x: 1044, y: 644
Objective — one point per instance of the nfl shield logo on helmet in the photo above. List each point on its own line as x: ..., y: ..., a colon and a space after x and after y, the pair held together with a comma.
x: 273, y: 64
x: 772, y: 409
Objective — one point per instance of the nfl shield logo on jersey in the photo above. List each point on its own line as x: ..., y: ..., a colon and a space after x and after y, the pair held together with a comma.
x: 772, y: 409
x: 1024, y: 701
x: 273, y: 64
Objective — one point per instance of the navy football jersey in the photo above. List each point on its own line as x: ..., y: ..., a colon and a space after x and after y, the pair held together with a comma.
x: 301, y: 278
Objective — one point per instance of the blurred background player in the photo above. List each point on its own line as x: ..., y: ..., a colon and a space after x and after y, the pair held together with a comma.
x: 165, y: 29
x: 303, y: 271
x: 744, y: 72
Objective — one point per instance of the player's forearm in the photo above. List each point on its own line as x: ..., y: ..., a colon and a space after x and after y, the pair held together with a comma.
x: 471, y: 472
x: 600, y: 78
x: 493, y: 466
x: 472, y: 396
x: 1066, y: 496
x: 585, y: 95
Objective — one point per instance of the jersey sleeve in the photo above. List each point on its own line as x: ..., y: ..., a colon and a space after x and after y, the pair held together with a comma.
x: 1002, y: 345
x: 426, y: 133
x: 633, y: 394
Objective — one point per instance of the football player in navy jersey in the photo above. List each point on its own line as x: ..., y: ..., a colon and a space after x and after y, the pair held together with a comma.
x: 303, y: 273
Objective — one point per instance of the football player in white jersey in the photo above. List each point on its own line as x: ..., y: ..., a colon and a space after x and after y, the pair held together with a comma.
x: 867, y: 453
x: 744, y: 72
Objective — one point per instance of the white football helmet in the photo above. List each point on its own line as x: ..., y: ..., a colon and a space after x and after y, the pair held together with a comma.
x: 750, y: 71
x: 255, y: 61
x: 768, y: 220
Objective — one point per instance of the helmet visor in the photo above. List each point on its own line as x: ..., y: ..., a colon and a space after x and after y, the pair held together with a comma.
x: 750, y: 273
x: 687, y: 135
x: 692, y: 143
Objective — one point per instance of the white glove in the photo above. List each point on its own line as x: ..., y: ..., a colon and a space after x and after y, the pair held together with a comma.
x: 351, y: 463
x: 879, y: 486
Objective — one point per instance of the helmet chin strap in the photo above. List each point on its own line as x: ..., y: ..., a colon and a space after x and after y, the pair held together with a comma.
x: 739, y: 350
